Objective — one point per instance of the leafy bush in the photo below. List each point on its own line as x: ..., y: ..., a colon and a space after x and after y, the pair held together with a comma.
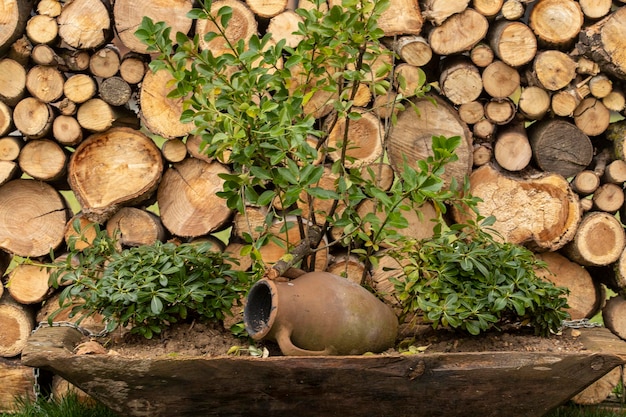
x: 466, y: 279
x: 147, y: 287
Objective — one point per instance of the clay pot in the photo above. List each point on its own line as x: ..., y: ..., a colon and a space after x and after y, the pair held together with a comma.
x: 319, y: 313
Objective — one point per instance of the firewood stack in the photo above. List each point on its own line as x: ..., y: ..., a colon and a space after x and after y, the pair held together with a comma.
x: 535, y: 89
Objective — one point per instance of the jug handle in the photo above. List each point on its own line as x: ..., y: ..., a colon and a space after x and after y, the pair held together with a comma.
x: 283, y: 338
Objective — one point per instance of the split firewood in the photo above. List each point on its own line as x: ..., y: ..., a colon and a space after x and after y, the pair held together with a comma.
x: 592, y: 117
x: 42, y: 29
x: 512, y: 150
x: 599, y: 240
x: 12, y: 81
x: 118, y: 167
x: 66, y: 130
x: 160, y: 113
x: 28, y: 284
x: 411, y: 138
x: 460, y: 81
x: 33, y: 117
x: 445, y: 39
x: 603, y: 42
x: 540, y: 211
x: 133, y: 226
x: 363, y: 141
x: 437, y: 11
x: 585, y: 297
x: 15, y: 16
x: 45, y: 83
x: 128, y: 14
x: 500, y: 80
x: 560, y: 147
x: 10, y: 147
x: 187, y: 198
x: 556, y: 23
x: 17, y: 322
x: 43, y: 159
x: 513, y: 42
x: 85, y: 24
x: 534, y: 103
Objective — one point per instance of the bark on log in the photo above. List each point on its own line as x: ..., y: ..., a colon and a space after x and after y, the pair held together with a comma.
x: 17, y: 381
x: 17, y: 321
x: 411, y: 137
x: 445, y: 39
x: 540, y: 211
x: 128, y: 14
x: 599, y: 240
x: 33, y: 216
x: 20, y: 51
x: 15, y: 15
x: 43, y: 159
x: 135, y: 227
x: 119, y: 167
x: 28, y: 284
x: 604, y: 41
x: 115, y: 91
x: 161, y: 114
x: 85, y: 24
x: 556, y: 23
x: 585, y: 298
x: 560, y: 147
x: 513, y: 42
x: 188, y: 203
x: 612, y: 275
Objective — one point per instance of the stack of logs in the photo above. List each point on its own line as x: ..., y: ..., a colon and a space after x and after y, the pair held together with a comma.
x: 535, y: 89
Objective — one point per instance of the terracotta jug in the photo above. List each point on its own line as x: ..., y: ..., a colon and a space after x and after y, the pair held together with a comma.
x: 319, y: 313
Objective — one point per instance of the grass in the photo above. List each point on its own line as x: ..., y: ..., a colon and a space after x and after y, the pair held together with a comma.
x: 586, y: 411
x: 68, y: 406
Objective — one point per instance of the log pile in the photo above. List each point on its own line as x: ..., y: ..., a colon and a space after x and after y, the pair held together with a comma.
x: 535, y: 89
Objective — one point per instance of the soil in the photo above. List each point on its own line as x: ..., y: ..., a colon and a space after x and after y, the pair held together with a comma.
x: 201, y: 339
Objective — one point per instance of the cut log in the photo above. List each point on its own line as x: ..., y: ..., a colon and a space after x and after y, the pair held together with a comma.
x: 28, y: 284
x: 381, y: 174
x: 12, y: 81
x: 15, y: 14
x: 51, y: 8
x: 615, y: 101
x: 591, y: 117
x: 188, y: 203
x: 96, y: 115
x: 600, y: 390
x: 6, y: 119
x: 85, y: 24
x: 560, y: 147
x: 61, y: 388
x: 43, y: 54
x: 17, y: 322
x: 105, y: 62
x: 500, y: 111
x: 364, y: 140
x: 115, y: 91
x: 284, y: 26
x: 43, y: 159
x: 599, y: 240
x: 119, y: 167
x: 386, y: 105
x: 484, y: 129
x: 349, y: 266
x: 411, y: 138
x: 488, y: 8
x: 253, y: 222
x: 17, y: 382
x: 460, y: 81
x: 33, y: 218
x: 267, y: 8
x: 563, y: 103
x: 513, y: 42
x: 437, y: 11
x: 482, y: 154
x: 600, y: 86
x: 412, y: 49
x: 33, y: 117
x: 94, y: 323
x: 585, y: 182
x: 42, y: 29
x: 408, y: 79
x: 553, y: 69
x: 613, y: 315
x: 500, y: 80
x: 75, y: 60
x: 135, y: 227
x: 445, y: 39
x: 604, y: 41
x: 534, y: 103
x: 482, y: 55
x: 10, y: 147
x: 133, y: 68
x: 402, y: 17
x: 161, y: 114
x: 595, y: 9
x: 471, y: 112
x: 556, y: 23
x: 614, y: 173
x: 585, y: 298
x: 540, y: 211
x: 9, y: 170
x: 174, y: 150
x: 513, y: 9
x: 66, y: 130
x: 512, y: 150
x: 241, y: 27
x: 608, y: 197
x: 80, y: 232
x: 80, y: 88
